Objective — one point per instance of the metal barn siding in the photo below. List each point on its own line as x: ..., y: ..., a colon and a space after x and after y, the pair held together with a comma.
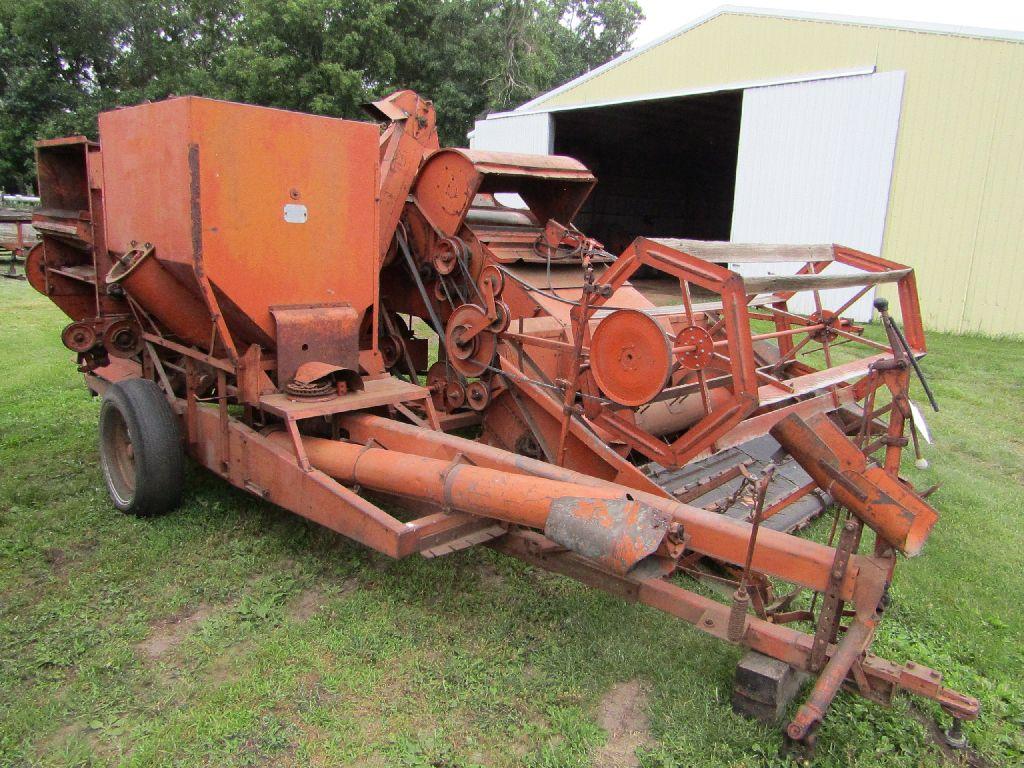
x: 530, y: 134
x: 814, y: 166
x: 956, y: 208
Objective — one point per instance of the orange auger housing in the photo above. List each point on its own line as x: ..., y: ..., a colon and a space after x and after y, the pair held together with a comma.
x: 269, y: 281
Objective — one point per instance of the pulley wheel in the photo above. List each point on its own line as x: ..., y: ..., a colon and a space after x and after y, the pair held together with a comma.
x: 79, y: 337
x: 478, y: 395
x: 491, y: 280
x: 501, y: 322
x: 701, y: 348
x: 123, y: 338
x: 455, y: 394
x: 34, y: 268
x: 446, y: 256
x: 438, y: 377
x: 389, y: 350
x: 630, y: 357
x: 469, y: 356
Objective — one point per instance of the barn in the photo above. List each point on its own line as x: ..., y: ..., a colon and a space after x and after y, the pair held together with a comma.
x: 760, y: 126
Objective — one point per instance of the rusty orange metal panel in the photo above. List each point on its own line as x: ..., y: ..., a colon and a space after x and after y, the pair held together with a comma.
x: 275, y: 208
x: 451, y: 178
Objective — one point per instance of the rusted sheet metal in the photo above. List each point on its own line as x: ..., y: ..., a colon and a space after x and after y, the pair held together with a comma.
x: 549, y: 166
x: 618, y: 533
x: 321, y: 333
x: 256, y: 230
x: 411, y: 135
x: 147, y: 282
x: 556, y: 187
x: 897, y: 514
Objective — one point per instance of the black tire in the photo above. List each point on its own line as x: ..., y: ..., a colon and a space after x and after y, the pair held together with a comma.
x: 140, y: 449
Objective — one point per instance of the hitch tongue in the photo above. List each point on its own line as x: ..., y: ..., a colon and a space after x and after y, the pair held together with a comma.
x: 897, y: 514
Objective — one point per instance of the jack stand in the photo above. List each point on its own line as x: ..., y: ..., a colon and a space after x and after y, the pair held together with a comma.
x: 954, y: 735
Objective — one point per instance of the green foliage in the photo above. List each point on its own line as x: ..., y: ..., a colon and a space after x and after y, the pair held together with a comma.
x: 64, y: 61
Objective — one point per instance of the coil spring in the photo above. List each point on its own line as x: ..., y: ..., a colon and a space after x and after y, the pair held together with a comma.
x: 738, y: 615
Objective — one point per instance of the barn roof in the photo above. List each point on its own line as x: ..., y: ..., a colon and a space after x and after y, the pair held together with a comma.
x: 912, y: 26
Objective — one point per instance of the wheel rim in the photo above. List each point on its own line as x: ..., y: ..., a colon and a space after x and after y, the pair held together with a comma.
x: 118, y: 456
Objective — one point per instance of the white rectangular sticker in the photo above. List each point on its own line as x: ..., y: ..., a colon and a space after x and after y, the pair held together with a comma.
x: 295, y: 213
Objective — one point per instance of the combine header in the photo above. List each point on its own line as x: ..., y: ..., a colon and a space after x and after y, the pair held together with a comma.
x: 257, y: 288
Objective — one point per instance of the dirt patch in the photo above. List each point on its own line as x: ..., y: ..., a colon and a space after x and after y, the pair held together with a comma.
x: 222, y: 668
x: 491, y: 577
x: 623, y: 714
x: 60, y: 559
x: 168, y: 633
x: 67, y: 735
x: 305, y: 605
x: 57, y: 559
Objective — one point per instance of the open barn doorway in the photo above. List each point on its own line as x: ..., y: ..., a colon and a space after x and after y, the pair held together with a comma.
x: 665, y: 168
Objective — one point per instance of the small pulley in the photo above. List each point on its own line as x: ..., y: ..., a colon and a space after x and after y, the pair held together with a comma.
x: 491, y: 280
x: 478, y: 395
x: 448, y: 253
x: 694, y: 348
x: 447, y: 390
x: 630, y: 357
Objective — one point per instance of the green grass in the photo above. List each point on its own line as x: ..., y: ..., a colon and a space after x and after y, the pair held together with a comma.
x: 232, y: 633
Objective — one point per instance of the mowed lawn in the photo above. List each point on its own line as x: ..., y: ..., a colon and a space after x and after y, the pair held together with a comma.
x: 232, y: 633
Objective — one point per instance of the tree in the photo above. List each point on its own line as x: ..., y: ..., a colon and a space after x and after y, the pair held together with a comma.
x: 63, y: 61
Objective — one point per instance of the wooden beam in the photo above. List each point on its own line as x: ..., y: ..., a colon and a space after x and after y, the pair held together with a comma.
x: 748, y: 253
x: 778, y: 283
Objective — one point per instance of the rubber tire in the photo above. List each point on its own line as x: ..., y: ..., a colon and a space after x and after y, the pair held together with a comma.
x: 158, y: 463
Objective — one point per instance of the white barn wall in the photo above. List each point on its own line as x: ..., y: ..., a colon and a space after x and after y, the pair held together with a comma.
x: 531, y: 134
x: 815, y: 166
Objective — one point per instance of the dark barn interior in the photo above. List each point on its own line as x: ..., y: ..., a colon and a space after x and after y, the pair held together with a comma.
x: 664, y: 168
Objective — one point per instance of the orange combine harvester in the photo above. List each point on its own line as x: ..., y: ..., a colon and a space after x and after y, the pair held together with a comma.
x: 257, y: 289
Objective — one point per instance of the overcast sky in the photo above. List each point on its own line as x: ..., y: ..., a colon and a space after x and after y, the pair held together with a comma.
x: 663, y: 16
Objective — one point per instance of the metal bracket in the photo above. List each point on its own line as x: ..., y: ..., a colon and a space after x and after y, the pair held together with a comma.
x: 831, y: 606
x: 448, y: 476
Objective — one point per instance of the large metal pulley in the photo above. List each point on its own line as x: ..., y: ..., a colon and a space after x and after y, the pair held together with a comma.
x: 79, y: 337
x: 630, y: 357
x: 470, y: 340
